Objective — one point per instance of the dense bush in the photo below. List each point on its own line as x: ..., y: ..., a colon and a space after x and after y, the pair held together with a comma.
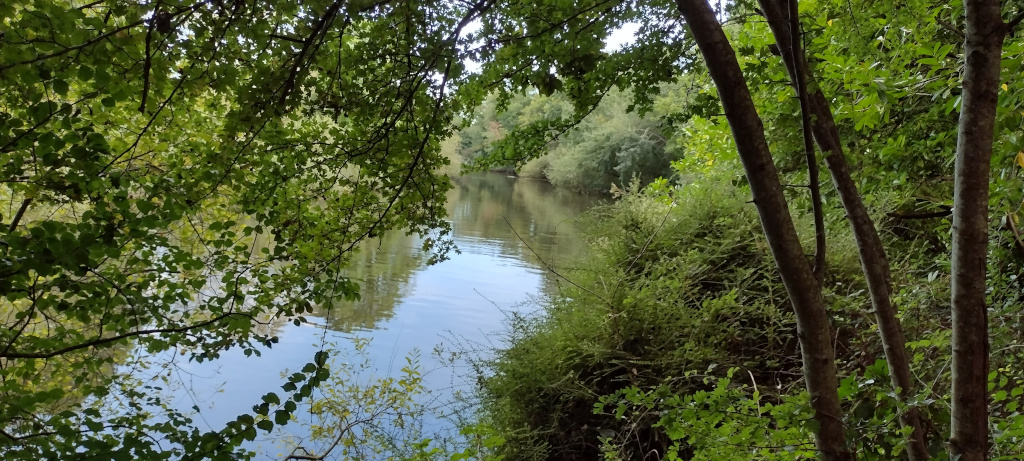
x: 669, y: 287
x: 677, y: 328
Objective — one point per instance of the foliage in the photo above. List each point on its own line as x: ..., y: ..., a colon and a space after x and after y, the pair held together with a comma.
x: 610, y: 145
x: 725, y: 422
x: 177, y: 174
x: 666, y: 288
x: 359, y: 414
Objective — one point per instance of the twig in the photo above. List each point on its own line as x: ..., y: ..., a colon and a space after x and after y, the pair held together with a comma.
x: 643, y: 249
x: 1016, y: 234
x: 101, y: 341
x: 552, y: 269
x: 950, y: 27
x: 90, y: 5
x: 21, y: 213
x: 147, y: 66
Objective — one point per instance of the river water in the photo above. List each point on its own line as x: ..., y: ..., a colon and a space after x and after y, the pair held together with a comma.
x: 508, y: 231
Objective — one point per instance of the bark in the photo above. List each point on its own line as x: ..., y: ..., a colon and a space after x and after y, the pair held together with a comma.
x: 969, y: 409
x: 873, y: 260
x: 813, y: 328
x: 799, y: 77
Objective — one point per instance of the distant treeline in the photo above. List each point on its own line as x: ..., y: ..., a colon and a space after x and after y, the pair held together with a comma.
x: 611, y: 145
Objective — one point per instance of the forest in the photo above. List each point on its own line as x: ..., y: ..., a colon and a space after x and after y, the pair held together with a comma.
x: 812, y: 248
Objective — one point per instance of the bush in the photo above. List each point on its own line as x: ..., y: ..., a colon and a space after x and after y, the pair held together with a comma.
x: 667, y: 288
x: 679, y: 289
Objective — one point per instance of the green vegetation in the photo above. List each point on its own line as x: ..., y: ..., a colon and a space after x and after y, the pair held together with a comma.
x: 178, y: 175
x: 686, y: 355
x: 680, y: 332
x: 150, y: 150
x: 611, y: 146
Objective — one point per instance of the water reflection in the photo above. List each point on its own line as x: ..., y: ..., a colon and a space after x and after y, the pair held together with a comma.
x: 507, y: 230
x: 384, y: 270
x: 516, y: 213
x: 497, y: 221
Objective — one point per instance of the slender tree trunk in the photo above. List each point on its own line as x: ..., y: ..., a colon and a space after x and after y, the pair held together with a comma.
x: 813, y: 328
x: 781, y: 14
x: 983, y: 49
x: 799, y: 77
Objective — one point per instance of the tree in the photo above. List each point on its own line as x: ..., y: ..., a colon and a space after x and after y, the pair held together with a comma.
x: 813, y: 328
x: 783, y: 18
x: 564, y: 42
x: 983, y: 42
x: 150, y: 150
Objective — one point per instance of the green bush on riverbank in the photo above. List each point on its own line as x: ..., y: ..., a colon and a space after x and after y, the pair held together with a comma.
x: 678, y: 330
x: 672, y: 285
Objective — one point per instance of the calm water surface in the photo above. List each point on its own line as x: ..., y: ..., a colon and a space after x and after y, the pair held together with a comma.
x: 406, y: 305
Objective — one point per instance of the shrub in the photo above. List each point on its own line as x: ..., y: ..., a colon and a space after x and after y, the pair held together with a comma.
x: 667, y: 288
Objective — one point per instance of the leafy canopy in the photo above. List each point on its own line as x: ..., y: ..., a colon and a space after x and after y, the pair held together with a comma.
x: 179, y: 175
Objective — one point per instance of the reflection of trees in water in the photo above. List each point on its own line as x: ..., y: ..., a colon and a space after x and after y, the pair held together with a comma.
x: 542, y: 216
x: 383, y: 269
x: 478, y: 206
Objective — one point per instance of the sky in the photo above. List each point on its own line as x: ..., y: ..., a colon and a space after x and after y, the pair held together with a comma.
x: 621, y: 37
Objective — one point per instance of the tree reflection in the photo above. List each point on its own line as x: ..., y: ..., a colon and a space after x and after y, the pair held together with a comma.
x: 529, y: 220
x: 383, y: 268
x: 526, y: 220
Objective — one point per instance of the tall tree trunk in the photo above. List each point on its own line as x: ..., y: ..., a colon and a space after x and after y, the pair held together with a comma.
x: 781, y: 16
x: 983, y: 49
x: 799, y: 77
x: 813, y: 328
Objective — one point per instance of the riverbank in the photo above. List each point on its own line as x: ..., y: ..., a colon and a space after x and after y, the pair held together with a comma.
x: 674, y: 338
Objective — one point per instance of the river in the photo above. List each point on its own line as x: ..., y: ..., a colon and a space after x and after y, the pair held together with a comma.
x: 507, y: 230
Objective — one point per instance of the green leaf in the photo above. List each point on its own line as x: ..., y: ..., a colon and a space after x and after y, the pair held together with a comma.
x: 60, y: 87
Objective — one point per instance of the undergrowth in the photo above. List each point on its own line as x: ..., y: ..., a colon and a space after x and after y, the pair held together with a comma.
x: 674, y: 339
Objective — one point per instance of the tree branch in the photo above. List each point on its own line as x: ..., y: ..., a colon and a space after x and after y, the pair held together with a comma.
x: 290, y: 39
x: 101, y: 341
x: 96, y: 39
x: 950, y: 27
x: 148, y: 64
x: 813, y: 183
x: 20, y: 214
x: 337, y: 441
x: 1012, y: 24
x: 320, y: 25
